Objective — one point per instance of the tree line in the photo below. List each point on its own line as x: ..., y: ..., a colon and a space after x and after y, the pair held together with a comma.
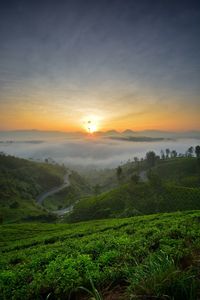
x: 151, y: 158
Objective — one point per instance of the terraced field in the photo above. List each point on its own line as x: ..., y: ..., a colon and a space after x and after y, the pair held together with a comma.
x: 146, y: 257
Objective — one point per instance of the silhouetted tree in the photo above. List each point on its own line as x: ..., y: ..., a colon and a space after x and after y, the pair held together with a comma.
x: 119, y: 173
x: 189, y: 152
x: 157, y: 157
x: 173, y: 154
x: 197, y: 151
x: 167, y: 151
x: 162, y: 154
x: 151, y: 158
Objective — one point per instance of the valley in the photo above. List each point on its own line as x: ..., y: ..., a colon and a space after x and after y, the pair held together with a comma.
x: 130, y: 232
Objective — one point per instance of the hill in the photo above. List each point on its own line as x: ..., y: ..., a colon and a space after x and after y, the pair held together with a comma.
x: 130, y: 199
x: 183, y: 171
x: 21, y: 181
x: 148, y: 257
x: 173, y: 184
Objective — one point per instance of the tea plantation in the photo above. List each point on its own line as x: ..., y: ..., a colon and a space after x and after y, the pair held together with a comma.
x: 144, y: 257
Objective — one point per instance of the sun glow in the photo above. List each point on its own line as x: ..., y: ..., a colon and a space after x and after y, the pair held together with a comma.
x: 91, y: 124
x: 91, y: 127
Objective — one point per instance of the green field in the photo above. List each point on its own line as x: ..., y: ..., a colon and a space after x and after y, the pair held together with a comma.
x: 145, y: 257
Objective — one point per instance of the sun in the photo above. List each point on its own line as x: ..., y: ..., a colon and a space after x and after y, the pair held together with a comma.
x: 91, y: 127
x: 91, y: 124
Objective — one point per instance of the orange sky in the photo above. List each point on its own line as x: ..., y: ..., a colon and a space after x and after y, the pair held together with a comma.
x: 152, y: 116
x: 120, y: 107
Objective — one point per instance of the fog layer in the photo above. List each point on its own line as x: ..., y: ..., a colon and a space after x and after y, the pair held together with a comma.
x: 98, y: 153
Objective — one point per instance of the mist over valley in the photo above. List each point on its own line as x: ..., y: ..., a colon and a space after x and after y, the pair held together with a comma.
x: 105, y: 150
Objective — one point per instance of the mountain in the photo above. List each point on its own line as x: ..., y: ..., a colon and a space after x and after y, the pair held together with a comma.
x: 169, y: 134
x: 128, y: 132
x: 40, y: 135
x: 111, y: 133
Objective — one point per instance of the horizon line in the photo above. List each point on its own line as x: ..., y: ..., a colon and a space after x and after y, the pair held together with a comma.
x: 99, y: 131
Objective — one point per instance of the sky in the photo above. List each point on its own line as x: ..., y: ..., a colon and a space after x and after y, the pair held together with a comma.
x: 116, y: 64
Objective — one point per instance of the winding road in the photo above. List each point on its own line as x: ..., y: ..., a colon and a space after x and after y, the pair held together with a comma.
x: 40, y: 199
x: 63, y: 211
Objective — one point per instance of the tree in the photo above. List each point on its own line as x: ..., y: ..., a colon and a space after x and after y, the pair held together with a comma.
x: 167, y: 151
x: 197, y: 151
x: 119, y: 173
x: 151, y: 158
x: 162, y: 154
x: 189, y: 152
x: 173, y: 154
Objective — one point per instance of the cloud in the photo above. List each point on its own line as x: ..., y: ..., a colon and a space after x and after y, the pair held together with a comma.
x: 100, y: 153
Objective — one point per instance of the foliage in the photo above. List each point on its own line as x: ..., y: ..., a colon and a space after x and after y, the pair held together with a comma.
x: 177, y: 170
x: 151, y: 158
x: 21, y: 181
x: 144, y: 198
x: 148, y: 256
x: 119, y: 173
x: 197, y: 151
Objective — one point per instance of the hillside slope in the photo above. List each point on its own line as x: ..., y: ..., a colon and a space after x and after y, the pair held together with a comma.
x: 184, y: 171
x: 173, y: 185
x: 129, y: 200
x: 148, y: 257
x: 21, y: 181
x: 77, y: 189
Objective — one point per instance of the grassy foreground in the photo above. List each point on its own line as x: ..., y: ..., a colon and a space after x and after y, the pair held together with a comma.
x: 146, y: 257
